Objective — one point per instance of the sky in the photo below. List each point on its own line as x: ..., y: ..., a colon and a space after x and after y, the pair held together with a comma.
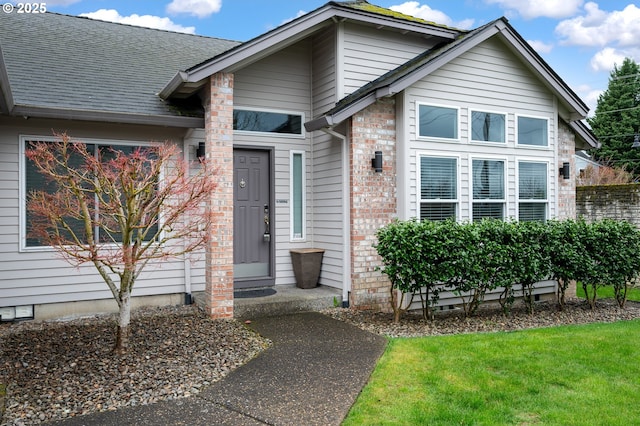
x: 581, y: 40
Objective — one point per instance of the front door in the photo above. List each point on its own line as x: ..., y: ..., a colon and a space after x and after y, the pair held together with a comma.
x: 252, y: 237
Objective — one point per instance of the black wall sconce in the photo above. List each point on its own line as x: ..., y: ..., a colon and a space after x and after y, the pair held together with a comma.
x: 200, y: 153
x: 565, y: 171
x: 376, y: 162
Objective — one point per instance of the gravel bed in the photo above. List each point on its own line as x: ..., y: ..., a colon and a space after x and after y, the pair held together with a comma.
x: 53, y: 370
x: 488, y: 319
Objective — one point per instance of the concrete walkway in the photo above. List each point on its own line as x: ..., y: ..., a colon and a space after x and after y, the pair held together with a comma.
x: 311, y: 375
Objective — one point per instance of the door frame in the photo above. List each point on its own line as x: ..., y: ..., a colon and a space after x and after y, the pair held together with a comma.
x: 269, y: 280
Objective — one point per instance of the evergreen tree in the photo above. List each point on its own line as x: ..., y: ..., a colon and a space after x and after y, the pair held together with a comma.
x: 616, y: 121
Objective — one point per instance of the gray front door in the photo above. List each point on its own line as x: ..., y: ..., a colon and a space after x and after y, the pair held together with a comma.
x: 252, y: 238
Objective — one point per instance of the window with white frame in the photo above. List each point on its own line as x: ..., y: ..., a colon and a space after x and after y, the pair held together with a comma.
x: 262, y: 121
x: 488, y: 127
x: 298, y: 198
x: 438, y: 192
x: 533, y: 131
x: 437, y: 121
x: 488, y: 183
x: 35, y: 181
x: 532, y: 191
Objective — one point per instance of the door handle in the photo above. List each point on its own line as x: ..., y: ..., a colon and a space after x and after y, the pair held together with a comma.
x: 266, y: 237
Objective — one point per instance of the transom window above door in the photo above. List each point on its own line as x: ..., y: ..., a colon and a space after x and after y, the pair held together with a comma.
x: 261, y: 121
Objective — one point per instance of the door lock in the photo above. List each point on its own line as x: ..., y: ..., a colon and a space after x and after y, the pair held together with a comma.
x: 266, y: 237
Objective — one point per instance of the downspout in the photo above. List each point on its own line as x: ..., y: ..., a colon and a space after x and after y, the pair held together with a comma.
x: 188, y: 299
x: 346, y: 212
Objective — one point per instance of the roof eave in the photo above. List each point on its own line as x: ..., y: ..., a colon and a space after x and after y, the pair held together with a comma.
x: 6, y: 97
x: 108, y: 117
x: 178, y: 79
x: 583, y: 133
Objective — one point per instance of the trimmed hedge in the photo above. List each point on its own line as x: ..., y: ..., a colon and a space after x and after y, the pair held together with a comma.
x: 474, y: 258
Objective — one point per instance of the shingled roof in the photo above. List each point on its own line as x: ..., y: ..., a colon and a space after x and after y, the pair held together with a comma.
x: 60, y: 66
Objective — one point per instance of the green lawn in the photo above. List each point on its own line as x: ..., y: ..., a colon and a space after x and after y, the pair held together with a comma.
x: 607, y: 293
x: 569, y: 375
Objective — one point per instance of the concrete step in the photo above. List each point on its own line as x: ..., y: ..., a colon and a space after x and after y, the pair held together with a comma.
x: 285, y: 300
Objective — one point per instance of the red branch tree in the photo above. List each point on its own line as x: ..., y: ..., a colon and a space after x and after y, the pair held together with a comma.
x: 118, y: 211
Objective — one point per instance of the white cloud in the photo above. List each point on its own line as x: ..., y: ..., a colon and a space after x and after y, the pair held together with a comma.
x: 414, y: 8
x: 148, y: 21
x: 198, y: 8
x: 605, y: 59
x: 600, y: 28
x: 540, y: 46
x: 534, y: 9
x: 299, y: 14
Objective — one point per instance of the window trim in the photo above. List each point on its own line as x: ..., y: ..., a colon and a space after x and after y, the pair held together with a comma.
x: 22, y: 179
x: 292, y: 237
x: 504, y: 200
x: 437, y: 138
x: 517, y: 132
x: 418, y: 195
x: 495, y: 143
x: 301, y: 135
x: 527, y: 200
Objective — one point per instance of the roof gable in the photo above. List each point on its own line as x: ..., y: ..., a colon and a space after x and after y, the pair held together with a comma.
x: 190, y: 80
x: 422, y: 65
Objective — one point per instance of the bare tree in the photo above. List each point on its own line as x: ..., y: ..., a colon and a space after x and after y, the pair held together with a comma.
x: 118, y: 210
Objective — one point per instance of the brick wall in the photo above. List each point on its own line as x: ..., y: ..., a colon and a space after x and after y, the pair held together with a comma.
x: 566, y: 187
x: 609, y: 201
x: 218, y: 105
x: 373, y: 200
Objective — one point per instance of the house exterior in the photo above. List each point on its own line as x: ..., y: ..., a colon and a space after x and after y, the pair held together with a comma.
x: 468, y: 124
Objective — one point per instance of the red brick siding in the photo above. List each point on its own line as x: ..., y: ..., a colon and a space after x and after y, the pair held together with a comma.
x: 373, y: 199
x: 218, y: 105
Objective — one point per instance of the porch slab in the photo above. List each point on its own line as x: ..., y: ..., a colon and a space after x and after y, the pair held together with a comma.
x: 285, y: 300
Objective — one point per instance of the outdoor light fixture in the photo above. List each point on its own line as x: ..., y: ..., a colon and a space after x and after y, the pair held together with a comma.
x: 200, y: 151
x: 565, y: 171
x: 376, y: 162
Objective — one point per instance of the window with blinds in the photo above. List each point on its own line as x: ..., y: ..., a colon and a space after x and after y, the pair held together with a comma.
x: 488, y: 127
x: 488, y: 189
x: 532, y: 191
x: 532, y: 131
x: 438, y: 188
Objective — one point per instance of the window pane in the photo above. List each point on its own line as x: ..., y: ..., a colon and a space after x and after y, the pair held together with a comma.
x: 532, y: 181
x: 488, y: 179
x: 488, y: 210
x: 438, y: 178
x: 532, y: 211
x: 532, y: 131
x: 35, y: 181
x: 108, y: 153
x: 437, y: 211
x: 297, y: 188
x: 438, y: 122
x: 486, y: 126
x: 271, y: 122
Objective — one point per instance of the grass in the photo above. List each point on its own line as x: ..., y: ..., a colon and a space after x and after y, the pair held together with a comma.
x: 569, y: 375
x: 633, y: 294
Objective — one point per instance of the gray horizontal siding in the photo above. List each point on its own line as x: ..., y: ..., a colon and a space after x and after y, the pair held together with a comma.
x: 35, y: 277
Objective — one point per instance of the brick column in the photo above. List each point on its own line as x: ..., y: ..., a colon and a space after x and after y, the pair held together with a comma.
x: 218, y: 105
x: 566, y: 187
x: 373, y: 200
